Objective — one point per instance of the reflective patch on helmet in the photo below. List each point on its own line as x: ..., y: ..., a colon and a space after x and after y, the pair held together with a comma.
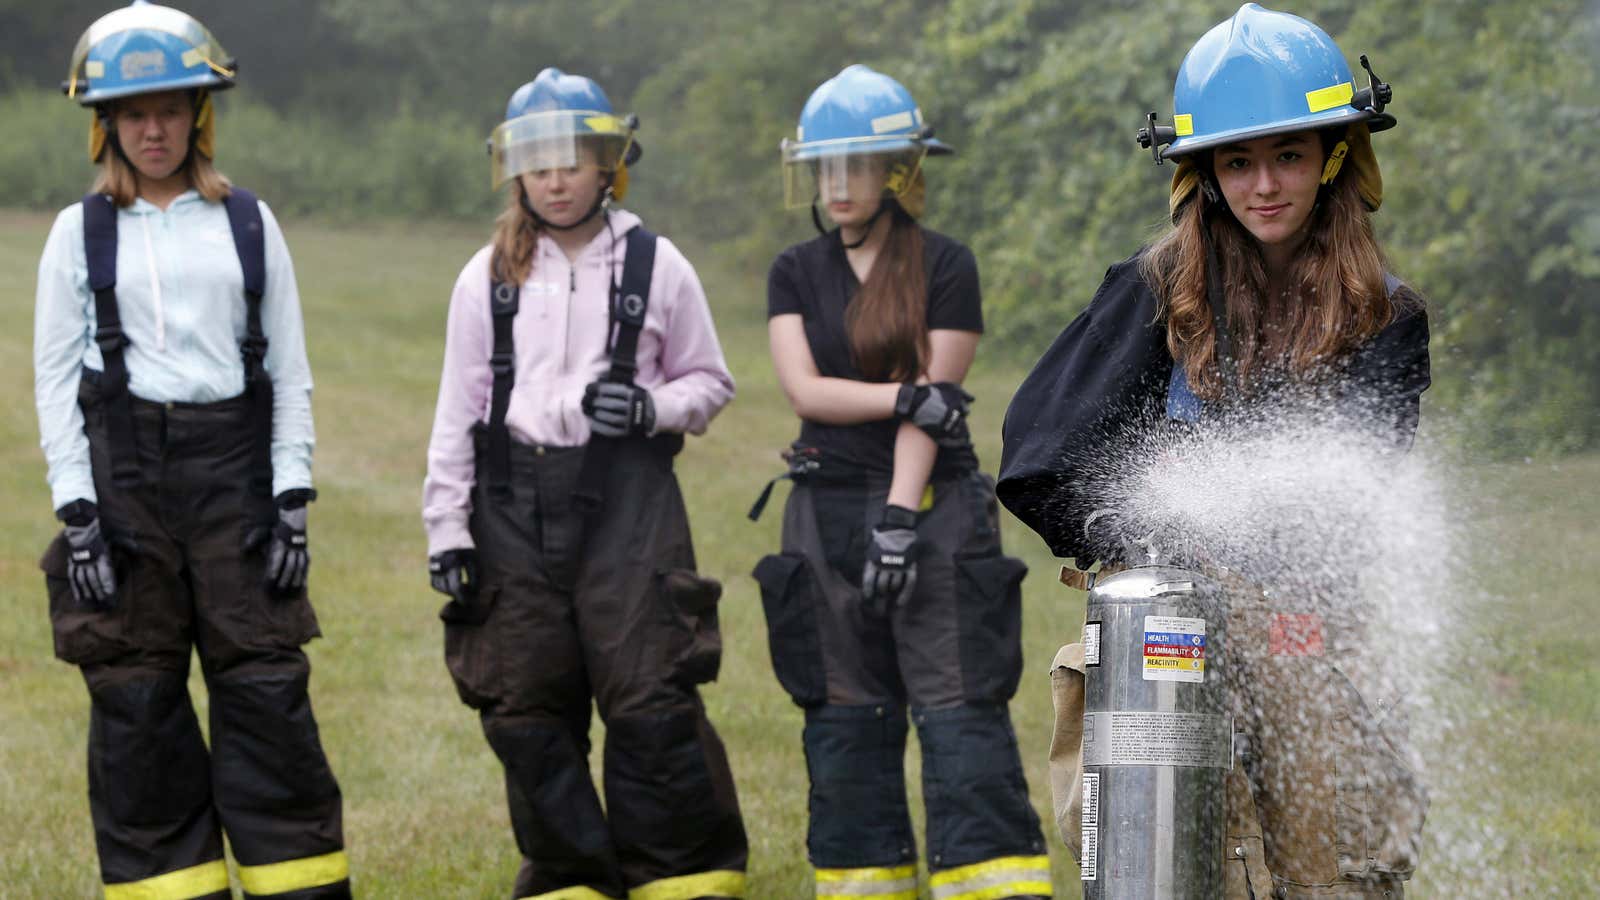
x: 192, y: 58
x: 603, y: 124
x: 1329, y: 97
x: 150, y: 64
x: 894, y: 122
x: 1183, y: 125
x: 1330, y: 169
x: 94, y: 68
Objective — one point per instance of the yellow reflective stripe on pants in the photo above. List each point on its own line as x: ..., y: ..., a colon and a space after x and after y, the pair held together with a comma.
x: 687, y: 887
x: 570, y: 893
x: 879, y: 883
x: 1006, y: 876
x: 195, y: 881
x: 295, y: 874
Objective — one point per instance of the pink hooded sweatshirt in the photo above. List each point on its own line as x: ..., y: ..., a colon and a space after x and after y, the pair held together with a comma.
x: 560, y: 333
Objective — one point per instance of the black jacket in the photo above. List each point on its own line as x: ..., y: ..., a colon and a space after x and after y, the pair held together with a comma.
x: 1104, y: 382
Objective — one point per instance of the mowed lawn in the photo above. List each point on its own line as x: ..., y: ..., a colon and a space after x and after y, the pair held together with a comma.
x: 424, y: 804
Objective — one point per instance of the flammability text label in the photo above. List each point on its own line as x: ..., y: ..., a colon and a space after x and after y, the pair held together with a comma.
x: 1174, y: 649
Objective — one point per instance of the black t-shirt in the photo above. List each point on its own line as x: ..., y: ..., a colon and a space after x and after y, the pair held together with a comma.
x: 814, y: 279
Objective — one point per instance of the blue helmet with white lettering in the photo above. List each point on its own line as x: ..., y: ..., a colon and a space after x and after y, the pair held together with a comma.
x: 142, y: 49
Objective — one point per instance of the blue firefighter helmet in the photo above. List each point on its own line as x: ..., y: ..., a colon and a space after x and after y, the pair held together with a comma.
x: 1260, y: 73
x: 145, y: 48
x: 858, y: 112
x: 556, y: 118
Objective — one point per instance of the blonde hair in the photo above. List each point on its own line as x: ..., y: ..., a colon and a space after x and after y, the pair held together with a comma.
x: 516, y: 231
x: 118, y: 178
x: 516, y: 235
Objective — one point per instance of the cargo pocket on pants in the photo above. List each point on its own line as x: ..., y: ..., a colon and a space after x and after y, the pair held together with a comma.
x: 691, y: 604
x: 989, y: 608
x: 83, y: 635
x: 788, y: 596
x: 469, y: 651
x: 1382, y: 802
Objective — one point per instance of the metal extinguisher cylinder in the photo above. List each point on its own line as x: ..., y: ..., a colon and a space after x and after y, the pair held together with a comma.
x: 1157, y: 739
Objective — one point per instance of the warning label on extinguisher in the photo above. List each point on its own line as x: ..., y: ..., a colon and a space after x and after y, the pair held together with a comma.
x: 1174, y: 649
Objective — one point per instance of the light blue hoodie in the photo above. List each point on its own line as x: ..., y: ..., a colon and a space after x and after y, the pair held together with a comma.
x: 180, y: 295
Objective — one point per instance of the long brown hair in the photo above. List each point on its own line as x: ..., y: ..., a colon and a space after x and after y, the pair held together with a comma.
x: 887, y: 319
x: 1334, y: 300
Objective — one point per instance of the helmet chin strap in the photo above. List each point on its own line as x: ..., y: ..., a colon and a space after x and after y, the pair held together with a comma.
x: 866, y: 227
x: 600, y: 203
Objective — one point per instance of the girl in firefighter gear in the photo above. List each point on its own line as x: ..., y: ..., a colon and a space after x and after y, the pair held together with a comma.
x: 174, y: 405
x: 891, y: 590
x: 579, y: 351
x: 1268, y: 293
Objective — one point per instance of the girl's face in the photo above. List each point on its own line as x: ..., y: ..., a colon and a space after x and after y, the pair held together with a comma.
x: 153, y: 130
x: 562, y: 195
x: 851, y: 186
x: 1271, y: 184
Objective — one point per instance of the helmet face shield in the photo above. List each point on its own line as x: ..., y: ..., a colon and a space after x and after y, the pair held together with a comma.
x: 557, y: 139
x: 856, y: 170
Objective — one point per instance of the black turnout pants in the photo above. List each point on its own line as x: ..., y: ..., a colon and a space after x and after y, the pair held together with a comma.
x: 159, y: 798
x: 605, y: 609
x: 952, y: 653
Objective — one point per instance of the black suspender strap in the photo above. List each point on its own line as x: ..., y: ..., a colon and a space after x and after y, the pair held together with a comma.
x: 503, y: 303
x: 628, y: 306
x: 100, y: 254
x: 629, y: 303
x: 244, y: 219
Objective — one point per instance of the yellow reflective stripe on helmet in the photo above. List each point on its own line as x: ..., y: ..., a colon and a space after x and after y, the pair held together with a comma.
x: 879, y: 883
x: 1330, y: 169
x: 1006, y: 876
x: 603, y: 124
x: 1329, y: 97
x: 195, y: 881
x: 725, y: 883
x: 295, y: 874
x: 1183, y: 125
x: 570, y: 893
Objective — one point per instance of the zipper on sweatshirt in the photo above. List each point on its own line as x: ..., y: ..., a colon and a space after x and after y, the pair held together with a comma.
x: 566, y: 335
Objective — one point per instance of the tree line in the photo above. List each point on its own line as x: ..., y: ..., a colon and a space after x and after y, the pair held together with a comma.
x: 356, y: 108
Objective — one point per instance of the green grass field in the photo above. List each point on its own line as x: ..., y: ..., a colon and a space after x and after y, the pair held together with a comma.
x: 424, y: 808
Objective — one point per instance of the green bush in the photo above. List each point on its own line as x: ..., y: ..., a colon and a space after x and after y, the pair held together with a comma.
x: 399, y: 166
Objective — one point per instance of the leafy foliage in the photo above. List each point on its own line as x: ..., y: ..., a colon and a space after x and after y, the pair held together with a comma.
x: 379, y: 107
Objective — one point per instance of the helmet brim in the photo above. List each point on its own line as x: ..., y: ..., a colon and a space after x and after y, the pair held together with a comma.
x: 1185, y: 146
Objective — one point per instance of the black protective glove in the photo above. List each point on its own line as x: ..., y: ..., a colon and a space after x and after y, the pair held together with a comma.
x: 89, y: 570
x: 939, y: 409
x: 891, y: 571
x: 454, y: 573
x: 288, y: 554
x: 616, y: 409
